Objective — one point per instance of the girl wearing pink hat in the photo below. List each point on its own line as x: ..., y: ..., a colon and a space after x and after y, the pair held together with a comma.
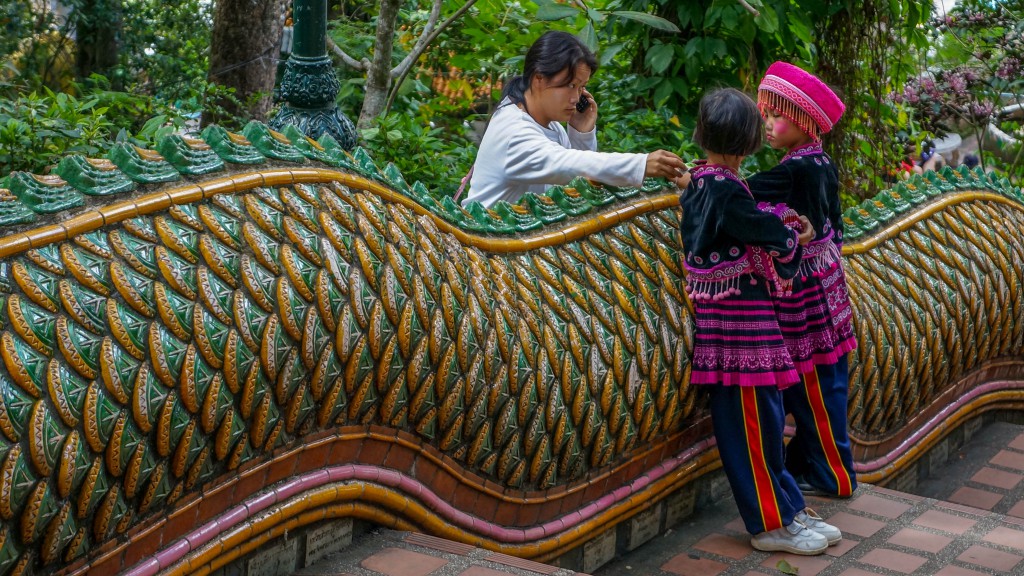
x: 815, y: 317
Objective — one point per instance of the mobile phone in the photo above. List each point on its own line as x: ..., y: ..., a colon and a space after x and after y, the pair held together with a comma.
x: 583, y: 103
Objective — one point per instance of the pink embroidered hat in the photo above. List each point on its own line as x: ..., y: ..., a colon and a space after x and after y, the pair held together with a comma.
x: 800, y: 97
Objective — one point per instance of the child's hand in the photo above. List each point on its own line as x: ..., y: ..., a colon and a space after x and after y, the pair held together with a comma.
x: 807, y: 233
x: 683, y: 180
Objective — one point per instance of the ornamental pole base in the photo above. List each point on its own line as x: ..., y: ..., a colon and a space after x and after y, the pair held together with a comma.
x: 317, y: 122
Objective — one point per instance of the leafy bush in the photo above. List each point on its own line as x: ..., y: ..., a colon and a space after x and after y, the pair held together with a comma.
x: 623, y: 127
x: 974, y: 84
x: 39, y: 128
x: 435, y: 155
x: 166, y: 50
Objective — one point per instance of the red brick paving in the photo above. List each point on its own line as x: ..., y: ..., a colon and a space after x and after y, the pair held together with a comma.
x: 399, y: 562
x: 856, y: 525
x: 733, y: 547
x: 880, y: 506
x: 1017, y: 510
x: 976, y: 498
x: 481, y: 571
x: 920, y: 540
x: 1006, y: 537
x: 945, y: 522
x: 736, y: 525
x: 893, y: 560
x: 1018, y: 443
x: 805, y: 565
x: 844, y: 546
x: 958, y: 571
x: 983, y: 543
x: 684, y: 565
x: 990, y: 558
x: 997, y: 478
x: 439, y: 543
x: 521, y: 563
x: 1009, y: 459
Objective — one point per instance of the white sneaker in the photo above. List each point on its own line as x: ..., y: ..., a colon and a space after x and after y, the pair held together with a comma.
x: 811, y: 519
x: 795, y: 539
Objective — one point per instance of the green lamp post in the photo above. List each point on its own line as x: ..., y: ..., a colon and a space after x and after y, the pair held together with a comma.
x: 309, y: 86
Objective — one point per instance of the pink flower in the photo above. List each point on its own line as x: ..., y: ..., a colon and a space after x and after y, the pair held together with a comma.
x: 909, y: 94
x: 957, y: 83
x: 1009, y: 68
x: 980, y: 110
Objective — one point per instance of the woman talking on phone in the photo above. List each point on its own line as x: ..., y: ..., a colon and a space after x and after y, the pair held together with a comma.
x: 525, y: 147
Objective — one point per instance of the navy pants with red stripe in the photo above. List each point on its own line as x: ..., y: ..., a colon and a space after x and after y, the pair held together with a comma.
x: 748, y: 423
x: 820, y: 451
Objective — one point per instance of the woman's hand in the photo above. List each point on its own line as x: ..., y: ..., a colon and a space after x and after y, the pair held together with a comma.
x: 664, y: 164
x: 585, y: 121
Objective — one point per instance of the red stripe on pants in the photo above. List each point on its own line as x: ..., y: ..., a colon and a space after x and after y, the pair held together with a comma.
x: 823, y: 425
x: 771, y: 515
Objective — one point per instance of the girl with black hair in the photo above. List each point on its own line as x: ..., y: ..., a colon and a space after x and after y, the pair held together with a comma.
x: 737, y: 255
x: 526, y: 148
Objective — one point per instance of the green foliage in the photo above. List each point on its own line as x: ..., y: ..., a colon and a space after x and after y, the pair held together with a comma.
x: 39, y: 128
x: 34, y: 51
x: 626, y: 128
x: 715, y: 43
x: 166, y: 50
x: 657, y: 58
x: 973, y: 82
x: 163, y: 48
x: 438, y: 157
x: 16, y: 23
x: 646, y: 100
x: 787, y: 568
x: 487, y: 46
x: 720, y: 43
x: 867, y: 51
x: 159, y: 79
x: 222, y: 105
x: 428, y: 133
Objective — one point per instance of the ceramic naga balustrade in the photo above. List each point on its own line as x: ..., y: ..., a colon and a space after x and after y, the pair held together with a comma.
x: 173, y: 319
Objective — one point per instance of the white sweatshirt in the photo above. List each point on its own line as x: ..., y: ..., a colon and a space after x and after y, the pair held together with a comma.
x: 517, y: 155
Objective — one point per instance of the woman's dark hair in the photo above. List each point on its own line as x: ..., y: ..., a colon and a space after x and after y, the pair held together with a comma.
x: 728, y: 122
x: 550, y: 55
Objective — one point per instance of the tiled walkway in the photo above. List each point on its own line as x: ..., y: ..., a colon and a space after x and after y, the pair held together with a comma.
x: 885, y: 532
x: 980, y: 532
x: 391, y: 553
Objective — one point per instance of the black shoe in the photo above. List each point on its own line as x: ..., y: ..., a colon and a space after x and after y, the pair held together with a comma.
x: 807, y: 489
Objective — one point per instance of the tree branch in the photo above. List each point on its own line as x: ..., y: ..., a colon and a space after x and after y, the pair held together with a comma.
x: 417, y: 51
x: 349, y: 61
x: 749, y: 8
x: 421, y: 45
x: 378, y: 76
x: 406, y: 63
